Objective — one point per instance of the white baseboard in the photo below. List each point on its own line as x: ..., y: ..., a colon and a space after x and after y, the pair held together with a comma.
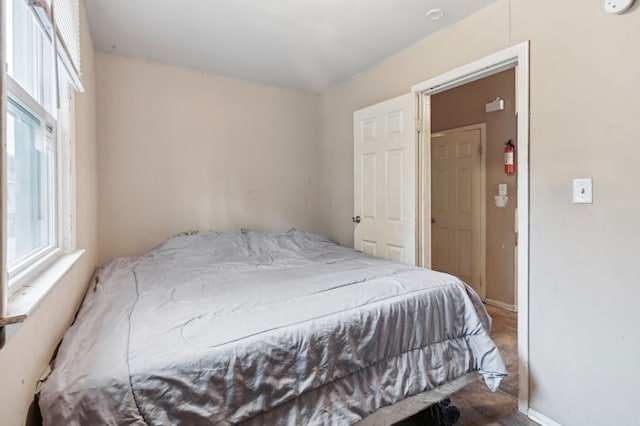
x: 541, y: 419
x: 498, y: 304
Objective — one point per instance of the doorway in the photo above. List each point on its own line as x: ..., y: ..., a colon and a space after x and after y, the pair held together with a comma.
x: 494, y: 280
x: 492, y: 255
x: 517, y: 58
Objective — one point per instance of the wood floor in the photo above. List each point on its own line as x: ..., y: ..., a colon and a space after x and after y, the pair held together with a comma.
x: 478, y: 405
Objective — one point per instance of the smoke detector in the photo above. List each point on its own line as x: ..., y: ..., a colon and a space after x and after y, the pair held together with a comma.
x: 617, y: 6
x: 435, y: 14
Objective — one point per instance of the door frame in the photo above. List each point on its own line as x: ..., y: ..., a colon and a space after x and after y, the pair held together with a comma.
x: 516, y: 57
x: 482, y: 127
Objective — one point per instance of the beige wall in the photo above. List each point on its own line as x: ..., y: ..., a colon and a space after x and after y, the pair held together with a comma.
x: 241, y: 154
x: 31, y: 345
x: 585, y: 87
x: 180, y: 150
x: 464, y: 106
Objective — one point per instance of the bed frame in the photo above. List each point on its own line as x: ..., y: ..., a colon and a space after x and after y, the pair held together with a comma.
x: 406, y: 408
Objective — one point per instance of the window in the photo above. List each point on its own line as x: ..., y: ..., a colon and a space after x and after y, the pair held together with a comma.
x: 37, y: 140
x: 40, y: 58
x: 31, y: 213
x: 30, y: 54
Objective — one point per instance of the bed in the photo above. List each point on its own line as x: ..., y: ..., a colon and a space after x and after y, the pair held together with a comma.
x: 256, y: 328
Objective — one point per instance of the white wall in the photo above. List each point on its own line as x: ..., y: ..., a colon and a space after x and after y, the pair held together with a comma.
x: 585, y: 91
x: 31, y: 346
x: 180, y: 150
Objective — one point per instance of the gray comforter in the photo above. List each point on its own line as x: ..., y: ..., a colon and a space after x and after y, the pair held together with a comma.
x: 262, y: 329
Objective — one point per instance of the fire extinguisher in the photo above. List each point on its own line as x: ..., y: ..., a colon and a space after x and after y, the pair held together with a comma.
x: 509, y: 150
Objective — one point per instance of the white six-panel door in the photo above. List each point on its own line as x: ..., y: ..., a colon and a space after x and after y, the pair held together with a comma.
x: 385, y: 180
x: 456, y: 243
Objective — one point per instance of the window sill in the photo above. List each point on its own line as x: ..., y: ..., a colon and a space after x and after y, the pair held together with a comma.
x: 27, y: 298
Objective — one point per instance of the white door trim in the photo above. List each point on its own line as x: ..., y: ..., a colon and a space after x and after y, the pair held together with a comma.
x: 513, y: 57
x: 482, y: 127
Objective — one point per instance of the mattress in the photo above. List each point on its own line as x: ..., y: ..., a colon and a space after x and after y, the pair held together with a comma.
x: 255, y: 328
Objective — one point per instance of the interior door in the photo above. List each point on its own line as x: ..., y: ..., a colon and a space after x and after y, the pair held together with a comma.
x: 456, y: 246
x: 385, y: 179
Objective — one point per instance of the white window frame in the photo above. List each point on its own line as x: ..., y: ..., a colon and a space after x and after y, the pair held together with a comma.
x: 25, y: 286
x: 19, y: 273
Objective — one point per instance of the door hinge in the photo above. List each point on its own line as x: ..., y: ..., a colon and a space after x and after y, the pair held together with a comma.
x: 418, y: 112
x: 515, y: 239
x: 418, y: 124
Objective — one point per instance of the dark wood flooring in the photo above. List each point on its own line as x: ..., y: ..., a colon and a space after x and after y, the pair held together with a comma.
x: 478, y: 405
x: 504, y: 332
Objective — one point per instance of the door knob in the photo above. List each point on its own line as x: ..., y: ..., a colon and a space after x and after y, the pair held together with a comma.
x: 355, y: 219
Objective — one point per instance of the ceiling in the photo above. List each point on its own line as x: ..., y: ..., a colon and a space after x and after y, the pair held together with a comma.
x: 304, y: 44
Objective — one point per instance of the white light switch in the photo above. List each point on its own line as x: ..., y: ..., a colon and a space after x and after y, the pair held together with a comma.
x: 583, y: 191
x: 502, y: 189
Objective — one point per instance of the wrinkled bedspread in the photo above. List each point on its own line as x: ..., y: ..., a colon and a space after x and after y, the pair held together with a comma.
x: 260, y: 328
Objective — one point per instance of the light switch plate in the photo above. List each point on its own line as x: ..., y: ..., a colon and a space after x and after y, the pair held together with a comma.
x: 583, y: 191
x: 502, y: 189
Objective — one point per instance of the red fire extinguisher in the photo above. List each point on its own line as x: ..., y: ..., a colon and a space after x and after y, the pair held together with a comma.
x: 509, y: 150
